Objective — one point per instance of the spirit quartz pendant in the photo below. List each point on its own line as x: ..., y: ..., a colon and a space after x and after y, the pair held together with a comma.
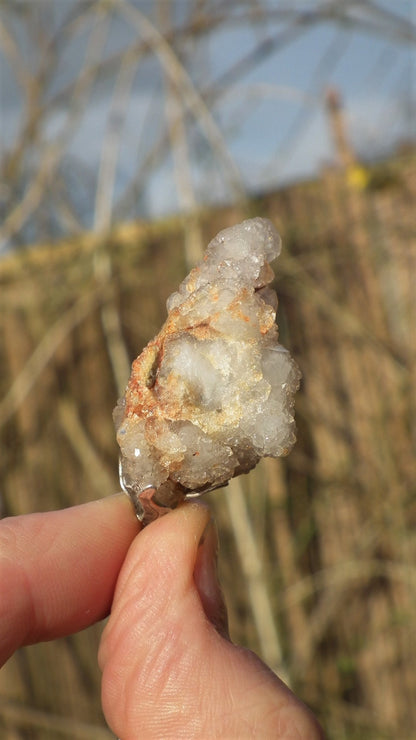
x: 213, y: 392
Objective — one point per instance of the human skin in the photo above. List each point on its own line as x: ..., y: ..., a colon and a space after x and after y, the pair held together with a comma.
x: 169, y: 667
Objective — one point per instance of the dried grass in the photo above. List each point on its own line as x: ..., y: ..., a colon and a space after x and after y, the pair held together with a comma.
x: 318, y: 562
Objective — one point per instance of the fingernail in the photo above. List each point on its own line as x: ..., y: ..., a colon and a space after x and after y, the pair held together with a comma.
x: 206, y: 579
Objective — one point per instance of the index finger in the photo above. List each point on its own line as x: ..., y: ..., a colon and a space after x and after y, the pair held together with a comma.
x: 58, y: 570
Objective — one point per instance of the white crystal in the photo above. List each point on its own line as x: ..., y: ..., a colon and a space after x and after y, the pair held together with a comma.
x: 213, y: 392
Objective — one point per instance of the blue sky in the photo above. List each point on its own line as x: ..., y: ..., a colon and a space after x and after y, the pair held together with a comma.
x: 278, y: 131
x: 271, y: 118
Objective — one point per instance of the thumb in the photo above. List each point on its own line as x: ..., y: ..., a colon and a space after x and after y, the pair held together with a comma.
x: 166, y: 597
x: 168, y: 670
x: 206, y: 579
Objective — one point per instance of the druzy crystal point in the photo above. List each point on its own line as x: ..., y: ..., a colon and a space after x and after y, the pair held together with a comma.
x: 213, y: 392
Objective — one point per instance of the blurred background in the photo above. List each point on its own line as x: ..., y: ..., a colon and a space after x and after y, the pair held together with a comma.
x: 131, y: 133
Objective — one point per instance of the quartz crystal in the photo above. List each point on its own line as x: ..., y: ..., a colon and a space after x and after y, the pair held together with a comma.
x: 213, y: 392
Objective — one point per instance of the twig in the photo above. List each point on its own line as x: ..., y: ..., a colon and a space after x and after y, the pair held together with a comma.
x: 255, y: 579
x: 50, y: 155
x: 175, y: 116
x: 44, y: 351
x: 110, y: 318
x: 84, y: 448
x: 192, y: 98
x: 341, y: 575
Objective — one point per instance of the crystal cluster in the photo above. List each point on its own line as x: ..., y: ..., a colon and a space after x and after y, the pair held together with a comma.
x: 212, y: 393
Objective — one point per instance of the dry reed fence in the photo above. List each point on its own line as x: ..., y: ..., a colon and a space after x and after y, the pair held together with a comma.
x: 318, y: 551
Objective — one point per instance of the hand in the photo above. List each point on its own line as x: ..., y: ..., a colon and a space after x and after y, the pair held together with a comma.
x: 169, y: 669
